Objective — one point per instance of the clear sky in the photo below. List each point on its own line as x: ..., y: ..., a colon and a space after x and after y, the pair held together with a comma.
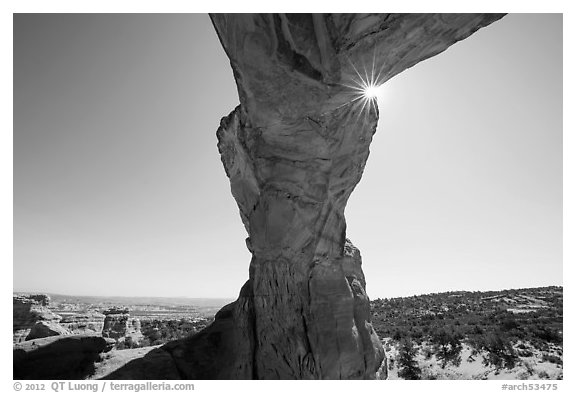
x: 119, y: 188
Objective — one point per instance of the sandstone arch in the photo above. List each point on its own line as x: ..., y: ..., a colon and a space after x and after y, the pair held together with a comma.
x: 294, y: 149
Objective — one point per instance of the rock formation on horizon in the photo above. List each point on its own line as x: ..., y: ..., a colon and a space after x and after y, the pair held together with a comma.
x: 83, y: 323
x: 31, y: 318
x: 120, y: 326
x: 115, y: 322
x: 294, y: 149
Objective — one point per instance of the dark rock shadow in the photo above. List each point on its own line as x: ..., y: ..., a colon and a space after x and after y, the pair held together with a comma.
x: 222, y: 350
x: 156, y: 364
x: 59, y: 357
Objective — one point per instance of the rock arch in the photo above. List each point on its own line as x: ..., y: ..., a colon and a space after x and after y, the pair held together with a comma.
x: 294, y: 149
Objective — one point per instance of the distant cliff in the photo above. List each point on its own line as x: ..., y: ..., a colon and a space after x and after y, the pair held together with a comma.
x: 89, y: 322
x: 33, y: 318
x: 31, y: 312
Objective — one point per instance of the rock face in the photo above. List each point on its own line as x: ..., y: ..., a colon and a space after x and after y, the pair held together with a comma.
x: 119, y: 326
x: 27, y: 311
x: 294, y: 149
x: 134, y: 327
x: 33, y: 319
x: 59, y: 357
x: 90, y: 322
x: 115, y: 322
x: 46, y: 329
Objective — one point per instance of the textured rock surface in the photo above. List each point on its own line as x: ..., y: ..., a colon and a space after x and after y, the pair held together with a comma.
x: 120, y: 326
x: 115, y: 322
x: 294, y: 149
x: 59, y: 357
x: 27, y: 310
x: 46, y: 329
x: 80, y: 323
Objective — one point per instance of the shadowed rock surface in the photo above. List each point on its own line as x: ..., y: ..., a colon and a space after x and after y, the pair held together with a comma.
x: 294, y: 149
x: 27, y: 311
x: 59, y: 357
x: 155, y: 364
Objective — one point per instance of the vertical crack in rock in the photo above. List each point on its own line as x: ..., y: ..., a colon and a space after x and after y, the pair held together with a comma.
x: 294, y: 150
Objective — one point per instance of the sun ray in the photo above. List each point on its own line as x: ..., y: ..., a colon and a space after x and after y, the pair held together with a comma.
x: 377, y: 81
x: 351, y: 114
x: 364, y: 92
x: 357, y: 73
x: 367, y: 81
x: 351, y: 87
x: 364, y: 102
x: 359, y: 83
x: 357, y: 117
x: 370, y: 104
x: 348, y: 103
x: 373, y: 62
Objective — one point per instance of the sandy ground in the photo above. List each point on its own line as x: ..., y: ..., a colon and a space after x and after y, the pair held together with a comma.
x: 471, y: 367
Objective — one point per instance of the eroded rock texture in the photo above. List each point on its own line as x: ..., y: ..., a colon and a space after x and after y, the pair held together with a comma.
x: 47, y: 329
x: 115, y: 322
x: 31, y: 312
x: 83, y: 323
x: 294, y: 149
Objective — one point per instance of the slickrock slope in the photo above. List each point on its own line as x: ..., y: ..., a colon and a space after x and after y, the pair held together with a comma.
x: 294, y: 149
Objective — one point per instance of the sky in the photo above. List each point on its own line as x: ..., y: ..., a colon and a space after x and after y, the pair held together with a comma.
x: 119, y: 189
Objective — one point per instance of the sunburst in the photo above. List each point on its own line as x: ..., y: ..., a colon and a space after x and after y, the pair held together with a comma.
x: 364, y: 89
x: 371, y: 92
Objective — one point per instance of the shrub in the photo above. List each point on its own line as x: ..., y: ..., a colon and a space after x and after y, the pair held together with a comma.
x: 427, y: 351
x: 529, y: 368
x: 447, y: 348
x: 500, y: 353
x: 525, y: 353
x: 547, y: 334
x: 552, y: 359
x: 509, y: 324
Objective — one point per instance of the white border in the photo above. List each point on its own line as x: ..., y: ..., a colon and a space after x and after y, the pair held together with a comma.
x: 181, y: 6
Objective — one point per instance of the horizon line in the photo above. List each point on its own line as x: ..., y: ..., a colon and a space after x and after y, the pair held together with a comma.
x: 233, y: 299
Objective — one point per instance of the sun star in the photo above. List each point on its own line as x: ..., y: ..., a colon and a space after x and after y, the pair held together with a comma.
x: 371, y: 91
